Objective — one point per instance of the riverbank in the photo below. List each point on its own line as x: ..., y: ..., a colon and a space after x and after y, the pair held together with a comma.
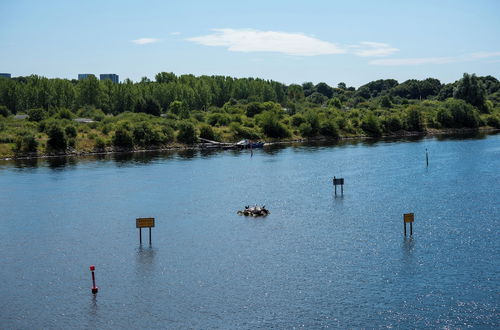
x: 198, y: 146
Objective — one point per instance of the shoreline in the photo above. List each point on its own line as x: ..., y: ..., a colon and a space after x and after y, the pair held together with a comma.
x: 401, y: 134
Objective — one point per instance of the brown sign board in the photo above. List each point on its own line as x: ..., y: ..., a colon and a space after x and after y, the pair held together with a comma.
x: 338, y: 181
x: 144, y: 222
x: 408, y: 217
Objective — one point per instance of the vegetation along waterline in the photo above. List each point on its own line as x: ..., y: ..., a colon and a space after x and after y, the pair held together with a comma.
x: 41, y: 116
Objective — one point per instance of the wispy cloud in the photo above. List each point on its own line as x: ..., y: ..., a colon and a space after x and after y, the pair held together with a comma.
x: 295, y: 44
x: 434, y: 60
x: 413, y: 61
x: 175, y: 33
x: 373, y: 49
x: 144, y: 41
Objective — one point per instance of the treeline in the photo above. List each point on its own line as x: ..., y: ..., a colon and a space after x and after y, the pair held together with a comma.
x: 180, y: 109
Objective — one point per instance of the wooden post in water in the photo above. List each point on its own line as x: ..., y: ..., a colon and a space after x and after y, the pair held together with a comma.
x: 408, y: 218
x: 140, y: 236
x: 426, y: 158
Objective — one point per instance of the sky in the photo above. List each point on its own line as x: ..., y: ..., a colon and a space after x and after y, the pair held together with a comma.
x: 284, y: 40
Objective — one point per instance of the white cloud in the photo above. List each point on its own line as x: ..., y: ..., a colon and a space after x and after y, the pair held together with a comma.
x: 375, y: 49
x: 413, y: 61
x: 434, y: 60
x: 144, y: 41
x: 295, y: 44
x: 175, y: 33
x: 484, y: 54
x: 249, y: 40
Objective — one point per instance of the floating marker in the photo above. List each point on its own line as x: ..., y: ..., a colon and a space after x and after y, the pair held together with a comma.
x: 94, y: 288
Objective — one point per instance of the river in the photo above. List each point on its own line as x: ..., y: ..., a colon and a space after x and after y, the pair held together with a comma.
x: 318, y: 260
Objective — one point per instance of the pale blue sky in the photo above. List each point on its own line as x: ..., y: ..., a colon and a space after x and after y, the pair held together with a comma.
x: 287, y: 41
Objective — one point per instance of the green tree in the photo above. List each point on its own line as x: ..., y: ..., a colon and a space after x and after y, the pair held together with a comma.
x: 89, y: 91
x: 471, y: 90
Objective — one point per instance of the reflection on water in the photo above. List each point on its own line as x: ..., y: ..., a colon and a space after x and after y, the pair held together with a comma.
x: 146, y: 157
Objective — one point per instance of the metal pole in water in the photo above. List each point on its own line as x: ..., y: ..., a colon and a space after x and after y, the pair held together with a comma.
x: 149, y: 235
x: 94, y: 287
x: 140, y: 236
x: 426, y: 157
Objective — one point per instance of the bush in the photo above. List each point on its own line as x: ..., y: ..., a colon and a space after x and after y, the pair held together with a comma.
x: 329, y: 128
x: 493, y: 121
x: 241, y: 132
x: 218, y: 119
x: 4, y: 112
x: 57, y: 137
x: 305, y: 129
x: 414, y: 120
x: 371, y: 125
x: 100, y: 144
x: 254, y: 108
x: 25, y: 143
x: 187, y: 133
x: 207, y: 132
x: 168, y: 134
x: 297, y: 120
x: 64, y: 114
x: 458, y: 113
x: 145, y: 135
x: 272, y: 127
x: 392, y: 123
x: 70, y: 131
x: 123, y: 138
x: 37, y: 114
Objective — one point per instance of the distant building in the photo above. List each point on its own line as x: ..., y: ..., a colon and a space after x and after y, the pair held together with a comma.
x: 84, y: 75
x: 4, y: 75
x: 111, y: 76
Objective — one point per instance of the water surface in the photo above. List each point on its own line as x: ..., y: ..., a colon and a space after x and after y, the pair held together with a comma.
x: 318, y: 260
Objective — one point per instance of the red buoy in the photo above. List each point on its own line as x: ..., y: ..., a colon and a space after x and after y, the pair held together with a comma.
x: 94, y: 288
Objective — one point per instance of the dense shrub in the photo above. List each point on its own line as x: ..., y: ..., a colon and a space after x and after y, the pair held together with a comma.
x: 207, y: 132
x: 271, y: 126
x: 371, y: 125
x: 57, y: 137
x: 70, y: 131
x: 4, y: 112
x: 25, y: 142
x: 187, y: 133
x: 329, y: 128
x: 123, y: 137
x: 37, y: 114
x: 242, y: 132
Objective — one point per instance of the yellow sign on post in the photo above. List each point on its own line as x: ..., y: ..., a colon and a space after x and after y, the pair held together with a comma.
x: 144, y: 222
x: 408, y: 217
